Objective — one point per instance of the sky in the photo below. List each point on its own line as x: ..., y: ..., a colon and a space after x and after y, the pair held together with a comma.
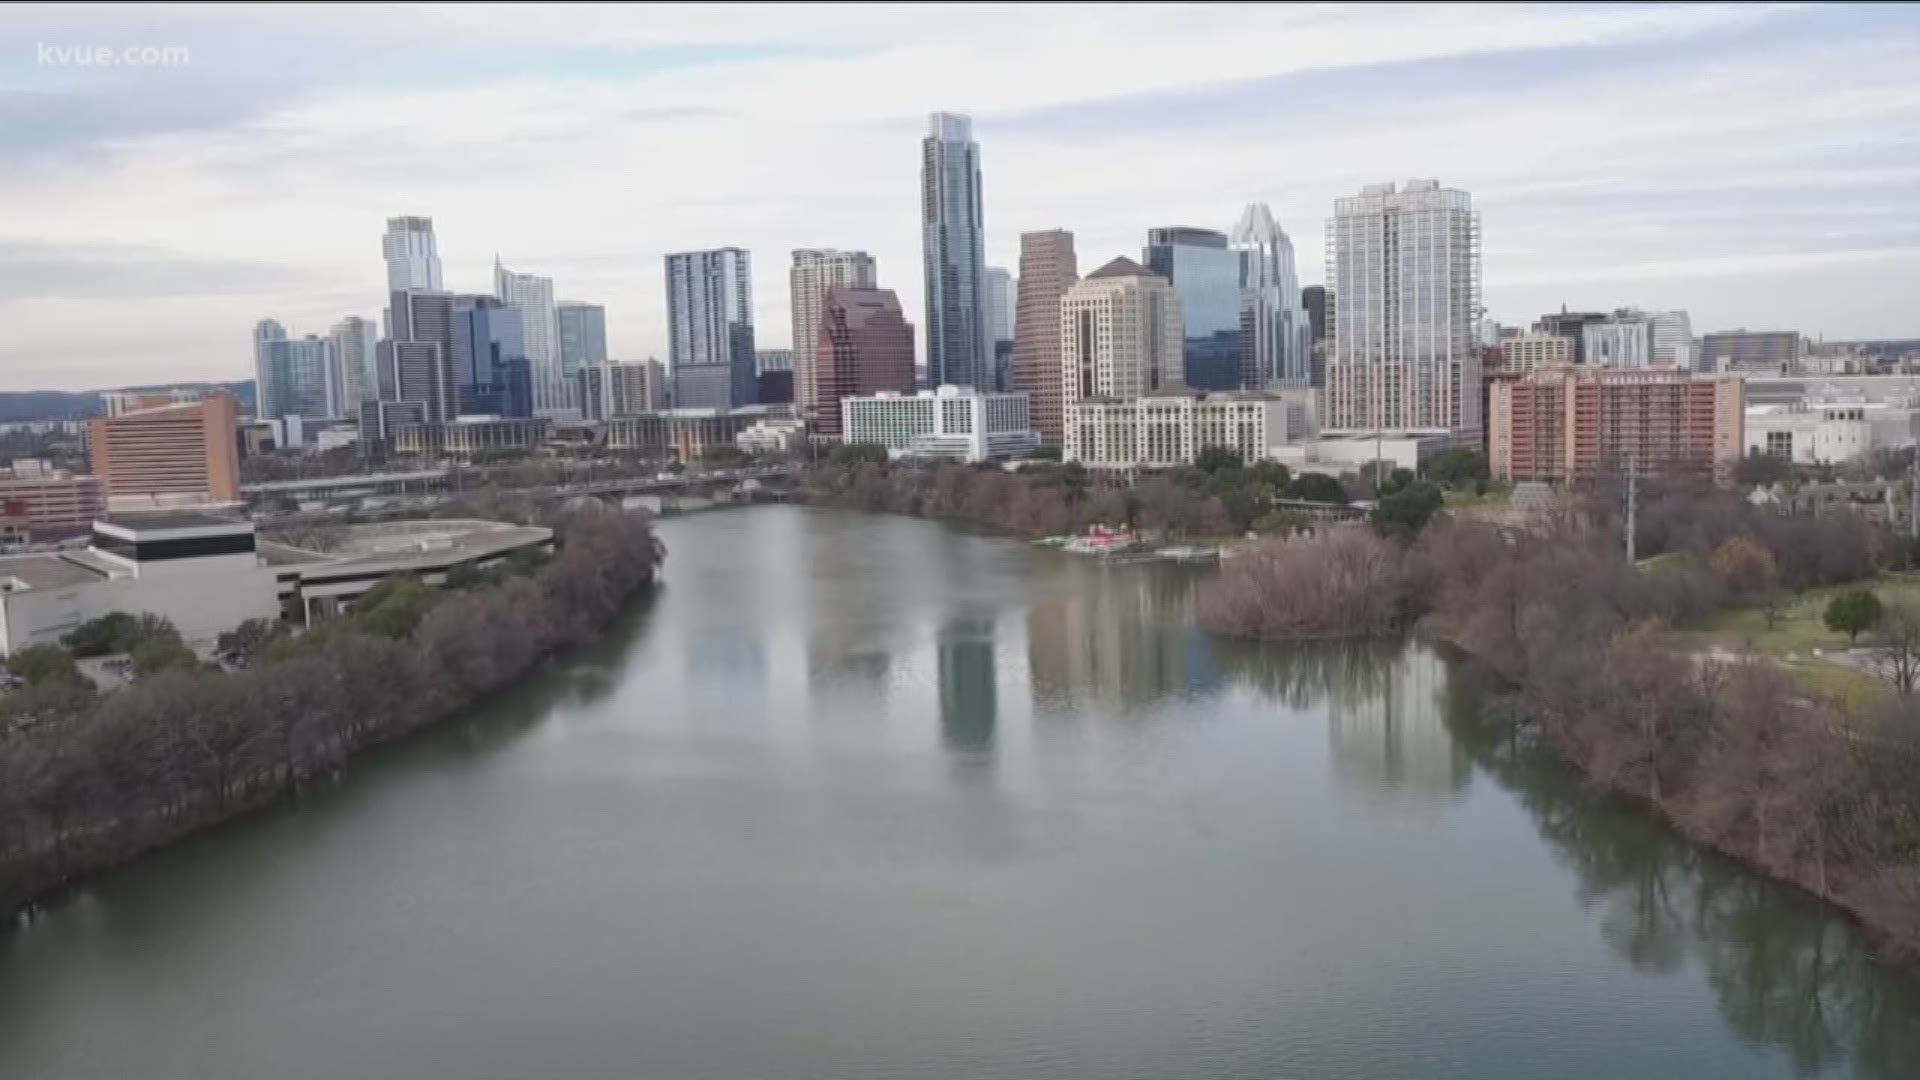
x: 1756, y: 164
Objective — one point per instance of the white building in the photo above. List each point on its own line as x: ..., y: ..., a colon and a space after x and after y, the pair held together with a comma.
x: 1163, y: 430
x: 1816, y: 433
x: 1121, y: 336
x: 198, y: 571
x: 816, y: 271
x: 772, y: 436
x: 413, y: 257
x: 540, y: 322
x: 951, y: 422
x: 1672, y: 339
x: 1624, y: 340
x: 1403, y: 270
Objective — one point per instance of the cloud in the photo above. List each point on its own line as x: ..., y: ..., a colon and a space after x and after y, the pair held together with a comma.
x: 1727, y: 158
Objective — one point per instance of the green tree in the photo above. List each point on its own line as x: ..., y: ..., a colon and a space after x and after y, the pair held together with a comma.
x: 158, y: 652
x: 1404, y: 512
x: 1852, y: 612
x: 114, y: 632
x: 1317, y: 487
x: 1212, y: 459
x: 1457, y: 466
x: 250, y: 637
x: 45, y: 665
x: 393, y: 607
x: 1269, y: 474
x: 850, y: 454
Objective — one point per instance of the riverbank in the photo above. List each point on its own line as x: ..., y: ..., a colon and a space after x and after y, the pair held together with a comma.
x: 1794, y: 788
x: 90, y: 782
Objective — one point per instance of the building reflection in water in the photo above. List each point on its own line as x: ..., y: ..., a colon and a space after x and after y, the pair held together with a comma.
x: 968, y: 696
x: 1118, y: 636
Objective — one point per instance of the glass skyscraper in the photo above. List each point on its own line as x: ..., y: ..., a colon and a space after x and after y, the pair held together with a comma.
x: 490, y: 368
x: 1276, y: 336
x: 583, y: 337
x: 710, y: 328
x: 1207, y: 276
x: 293, y: 376
x: 959, y: 331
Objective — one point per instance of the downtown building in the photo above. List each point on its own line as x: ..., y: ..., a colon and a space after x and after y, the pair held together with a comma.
x: 620, y: 388
x: 1121, y: 338
x: 583, y: 338
x: 1206, y: 273
x: 492, y: 375
x: 1528, y: 352
x: 412, y: 254
x: 710, y: 354
x: 532, y: 296
x: 1275, y: 331
x: 864, y: 345
x: 294, y: 376
x: 816, y: 272
x: 953, y: 236
x: 956, y: 423
x: 171, y: 456
x: 1753, y: 352
x: 356, y: 350
x: 1171, y: 428
x: 1048, y: 268
x: 1404, y: 280
x: 1576, y: 423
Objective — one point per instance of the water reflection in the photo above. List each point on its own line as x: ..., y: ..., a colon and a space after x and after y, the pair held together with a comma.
x: 1116, y: 635
x: 966, y: 673
x: 1785, y: 974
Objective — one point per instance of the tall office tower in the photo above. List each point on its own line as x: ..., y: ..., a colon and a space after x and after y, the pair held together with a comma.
x: 293, y: 376
x: 1624, y: 341
x: 710, y: 328
x: 491, y: 373
x: 1206, y: 274
x: 1121, y: 337
x: 1047, y: 270
x: 540, y: 321
x: 170, y: 456
x: 1571, y: 325
x: 815, y: 272
x: 413, y: 258
x: 1403, y: 268
x: 1314, y: 299
x: 355, y: 344
x: 583, y: 337
x: 1002, y: 298
x: 1276, y: 334
x: 959, y: 338
x: 416, y: 360
x: 865, y: 346
x: 1672, y: 339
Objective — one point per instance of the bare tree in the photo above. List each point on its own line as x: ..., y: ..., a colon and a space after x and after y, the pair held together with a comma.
x: 1898, y: 638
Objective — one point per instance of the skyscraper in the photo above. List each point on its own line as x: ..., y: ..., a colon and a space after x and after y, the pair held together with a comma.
x: 865, y: 346
x: 583, y: 337
x: 293, y: 376
x: 815, y: 272
x: 355, y: 344
x: 491, y: 373
x: 1672, y: 339
x: 540, y: 321
x: 1002, y: 297
x: 710, y: 328
x: 1276, y: 336
x: 413, y: 257
x: 1047, y: 270
x: 959, y: 338
x: 1207, y: 276
x: 1121, y: 337
x: 416, y: 360
x: 1404, y: 278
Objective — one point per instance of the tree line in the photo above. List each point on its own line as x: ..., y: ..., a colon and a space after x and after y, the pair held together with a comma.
x: 1805, y: 790
x: 88, y: 781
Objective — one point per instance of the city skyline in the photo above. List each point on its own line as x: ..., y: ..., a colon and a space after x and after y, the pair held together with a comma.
x: 1755, y: 208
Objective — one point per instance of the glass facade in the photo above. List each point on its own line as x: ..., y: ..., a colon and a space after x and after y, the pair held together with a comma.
x: 710, y: 328
x: 583, y: 337
x: 1206, y: 274
x: 959, y: 331
x: 1276, y: 333
x: 490, y: 365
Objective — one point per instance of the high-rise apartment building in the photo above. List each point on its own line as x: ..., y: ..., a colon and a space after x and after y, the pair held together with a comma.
x: 817, y: 271
x: 1275, y: 332
x: 413, y: 257
x: 1047, y: 270
x: 1672, y: 339
x: 1404, y: 276
x: 865, y: 346
x: 1753, y: 352
x: 710, y: 328
x: 293, y: 376
x: 583, y: 337
x: 1624, y: 340
x: 1206, y: 274
x: 1121, y: 337
x: 355, y: 350
x: 491, y: 373
x: 540, y: 325
x: 1573, y: 423
x: 175, y: 455
x: 618, y: 388
x: 959, y: 336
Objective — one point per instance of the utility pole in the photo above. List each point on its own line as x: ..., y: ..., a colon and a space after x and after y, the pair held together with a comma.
x: 1632, y: 501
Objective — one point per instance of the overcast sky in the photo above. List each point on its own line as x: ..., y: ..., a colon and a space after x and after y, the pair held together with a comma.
x: 1758, y: 165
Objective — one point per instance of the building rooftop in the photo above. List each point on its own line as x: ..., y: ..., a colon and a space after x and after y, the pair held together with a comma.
x: 1122, y: 267
x: 172, y: 519
x: 19, y: 573
x: 400, y: 546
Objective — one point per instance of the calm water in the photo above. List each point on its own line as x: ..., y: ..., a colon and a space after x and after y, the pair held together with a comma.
x: 866, y: 797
